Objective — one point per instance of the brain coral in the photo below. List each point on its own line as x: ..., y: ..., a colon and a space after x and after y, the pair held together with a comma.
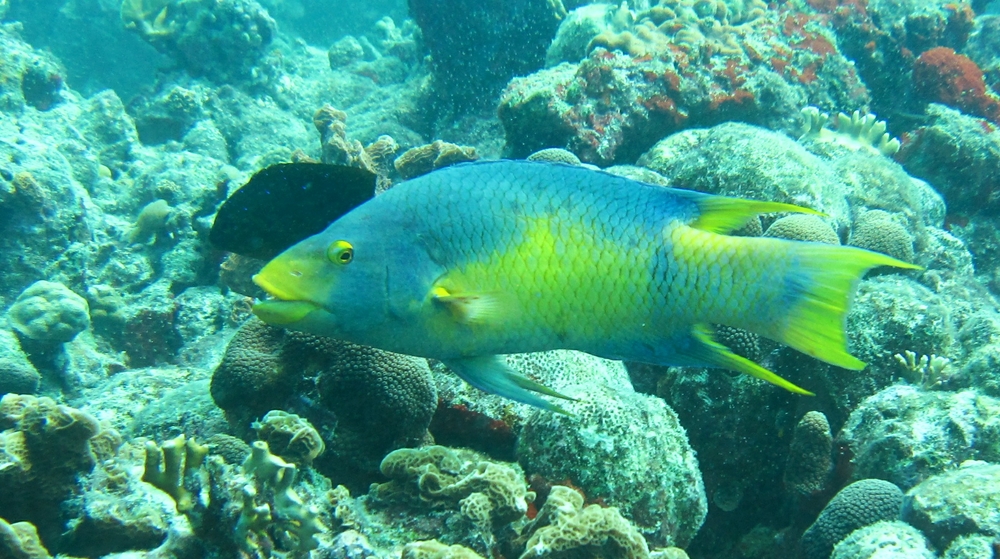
x: 565, y: 528
x: 627, y: 449
x: 884, y: 540
x: 49, y: 311
x: 877, y: 230
x: 377, y: 400
x: 803, y: 227
x: 858, y: 505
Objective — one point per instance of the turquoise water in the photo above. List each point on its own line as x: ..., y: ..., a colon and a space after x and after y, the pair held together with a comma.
x: 147, y: 412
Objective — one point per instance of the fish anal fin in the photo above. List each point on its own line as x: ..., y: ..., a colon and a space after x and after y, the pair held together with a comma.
x: 469, y: 308
x: 707, y: 350
x: 490, y: 374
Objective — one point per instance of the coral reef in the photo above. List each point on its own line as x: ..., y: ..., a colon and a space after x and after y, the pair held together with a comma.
x: 860, y: 504
x: 905, y: 435
x: 877, y: 230
x: 854, y: 132
x: 472, y: 499
x: 17, y: 374
x: 461, y: 34
x: 424, y: 159
x: 626, y: 449
x: 44, y: 446
x: 221, y: 40
x: 20, y: 541
x: 960, y: 502
x: 378, y: 401
x: 635, y: 86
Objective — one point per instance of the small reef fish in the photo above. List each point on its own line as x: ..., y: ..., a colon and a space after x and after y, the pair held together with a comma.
x: 478, y: 260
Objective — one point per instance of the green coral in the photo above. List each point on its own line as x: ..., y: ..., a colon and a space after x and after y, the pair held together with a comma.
x: 858, y: 505
x: 491, y: 494
x: 565, y: 529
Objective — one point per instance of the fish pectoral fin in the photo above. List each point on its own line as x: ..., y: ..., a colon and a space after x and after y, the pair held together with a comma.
x: 490, y: 374
x: 468, y: 308
x: 705, y: 349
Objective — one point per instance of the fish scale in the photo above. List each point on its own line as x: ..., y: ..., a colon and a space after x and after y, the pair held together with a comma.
x: 482, y: 259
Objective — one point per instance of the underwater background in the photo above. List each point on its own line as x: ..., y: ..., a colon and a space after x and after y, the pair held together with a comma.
x: 146, y: 412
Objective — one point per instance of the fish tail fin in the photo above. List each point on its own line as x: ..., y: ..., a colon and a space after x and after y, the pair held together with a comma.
x: 817, y: 289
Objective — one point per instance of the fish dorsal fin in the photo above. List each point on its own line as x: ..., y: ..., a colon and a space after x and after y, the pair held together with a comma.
x: 705, y: 349
x: 722, y: 214
x: 468, y: 308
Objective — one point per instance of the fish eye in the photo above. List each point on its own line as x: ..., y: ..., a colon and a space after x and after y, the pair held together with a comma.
x: 340, y: 252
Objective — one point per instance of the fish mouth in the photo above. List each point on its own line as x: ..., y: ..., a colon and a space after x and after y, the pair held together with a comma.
x: 284, y: 308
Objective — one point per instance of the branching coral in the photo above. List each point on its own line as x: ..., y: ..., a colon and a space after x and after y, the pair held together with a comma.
x: 925, y: 371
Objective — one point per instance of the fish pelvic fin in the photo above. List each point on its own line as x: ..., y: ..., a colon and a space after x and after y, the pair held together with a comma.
x: 723, y: 214
x: 818, y: 290
x: 490, y: 374
x: 707, y: 350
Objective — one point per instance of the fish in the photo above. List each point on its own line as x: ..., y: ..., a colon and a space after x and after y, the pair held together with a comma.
x: 305, y: 198
x: 474, y: 261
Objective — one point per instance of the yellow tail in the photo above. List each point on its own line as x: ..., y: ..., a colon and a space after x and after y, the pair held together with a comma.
x: 819, y: 287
